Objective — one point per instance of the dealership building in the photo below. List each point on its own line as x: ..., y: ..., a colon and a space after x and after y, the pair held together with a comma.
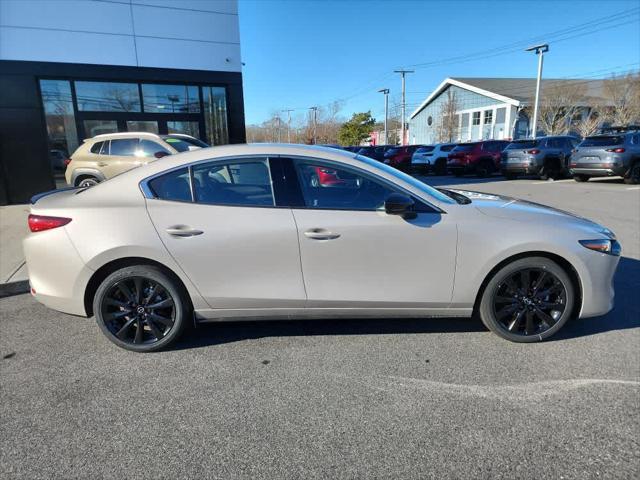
x: 72, y: 69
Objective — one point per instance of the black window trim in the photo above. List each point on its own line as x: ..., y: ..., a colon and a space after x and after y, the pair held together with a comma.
x: 393, y: 186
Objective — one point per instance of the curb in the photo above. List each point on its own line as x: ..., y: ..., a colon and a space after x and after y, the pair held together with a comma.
x: 14, y: 288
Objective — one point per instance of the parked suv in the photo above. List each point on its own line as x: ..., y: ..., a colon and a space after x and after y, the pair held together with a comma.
x: 610, y: 154
x: 400, y: 157
x: 374, y: 151
x: 104, y: 156
x: 482, y: 158
x: 432, y: 158
x: 547, y: 157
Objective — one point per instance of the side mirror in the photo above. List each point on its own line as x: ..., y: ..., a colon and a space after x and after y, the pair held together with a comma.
x: 160, y: 154
x: 399, y: 204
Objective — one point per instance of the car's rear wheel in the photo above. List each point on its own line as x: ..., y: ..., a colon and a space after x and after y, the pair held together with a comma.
x: 528, y: 300
x: 87, y: 182
x: 634, y: 174
x: 581, y: 178
x: 440, y: 166
x: 141, y: 308
x: 484, y: 168
x: 551, y: 170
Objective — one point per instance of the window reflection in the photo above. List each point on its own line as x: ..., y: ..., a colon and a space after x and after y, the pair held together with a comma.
x: 215, y: 115
x: 170, y: 98
x: 107, y: 97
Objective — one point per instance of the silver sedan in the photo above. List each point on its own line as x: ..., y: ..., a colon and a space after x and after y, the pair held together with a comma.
x: 287, y: 231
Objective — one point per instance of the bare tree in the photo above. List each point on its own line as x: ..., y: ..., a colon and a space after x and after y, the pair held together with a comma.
x: 559, y: 105
x: 447, y: 127
x: 591, y: 119
x: 624, y: 94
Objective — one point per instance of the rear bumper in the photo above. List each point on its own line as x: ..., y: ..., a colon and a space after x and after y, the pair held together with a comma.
x: 57, y: 275
x: 597, y: 172
x: 521, y: 168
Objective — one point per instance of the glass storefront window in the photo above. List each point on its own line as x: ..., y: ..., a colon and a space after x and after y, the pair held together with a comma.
x: 215, y: 115
x: 170, y: 98
x: 188, y: 128
x: 98, y: 127
x: 58, y: 110
x: 142, y: 126
x: 107, y: 97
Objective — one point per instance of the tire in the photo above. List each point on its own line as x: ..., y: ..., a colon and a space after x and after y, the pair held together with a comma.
x: 87, y: 182
x: 528, y: 314
x: 550, y: 170
x: 581, y: 178
x: 634, y: 174
x: 134, y: 289
x: 440, y: 167
x: 484, y: 169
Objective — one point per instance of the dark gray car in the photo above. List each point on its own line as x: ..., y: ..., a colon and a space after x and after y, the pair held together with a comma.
x: 547, y: 157
x: 608, y: 155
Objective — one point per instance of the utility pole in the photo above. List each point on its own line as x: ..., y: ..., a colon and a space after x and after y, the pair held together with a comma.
x: 279, y: 126
x: 385, y: 92
x: 404, y: 103
x: 540, y: 50
x: 288, y: 110
x: 315, y: 121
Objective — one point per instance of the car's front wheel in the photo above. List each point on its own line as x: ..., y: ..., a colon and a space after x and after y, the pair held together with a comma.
x: 581, y: 178
x: 528, y: 300
x: 634, y: 174
x: 141, y: 308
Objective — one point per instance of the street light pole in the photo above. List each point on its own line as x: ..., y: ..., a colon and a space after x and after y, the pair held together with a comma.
x: 315, y: 120
x: 404, y: 103
x: 540, y: 50
x: 289, y: 110
x: 385, y: 91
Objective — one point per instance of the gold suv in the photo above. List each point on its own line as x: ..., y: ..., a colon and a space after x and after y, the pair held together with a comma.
x: 104, y: 156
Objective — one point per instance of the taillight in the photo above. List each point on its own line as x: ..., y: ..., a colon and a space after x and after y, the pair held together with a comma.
x: 535, y: 151
x: 67, y: 161
x: 615, y: 150
x: 38, y: 223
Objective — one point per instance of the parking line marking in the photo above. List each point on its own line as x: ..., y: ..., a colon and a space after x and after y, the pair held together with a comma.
x: 633, y: 188
x: 551, y: 182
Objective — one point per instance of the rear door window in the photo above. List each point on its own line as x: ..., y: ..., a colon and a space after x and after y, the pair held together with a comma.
x: 124, y: 147
x: 239, y: 183
x: 173, y: 186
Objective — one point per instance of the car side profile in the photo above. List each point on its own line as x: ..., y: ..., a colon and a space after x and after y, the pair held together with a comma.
x: 104, y: 156
x: 400, y: 156
x: 432, y: 158
x: 243, y: 232
x: 480, y: 158
x: 616, y: 153
x: 546, y: 157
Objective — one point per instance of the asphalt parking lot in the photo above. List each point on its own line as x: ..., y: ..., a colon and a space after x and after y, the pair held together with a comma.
x: 433, y: 398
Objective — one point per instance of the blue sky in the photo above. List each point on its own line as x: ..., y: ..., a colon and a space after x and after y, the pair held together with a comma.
x: 300, y: 53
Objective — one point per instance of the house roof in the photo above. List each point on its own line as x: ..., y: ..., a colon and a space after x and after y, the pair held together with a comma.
x: 515, y: 91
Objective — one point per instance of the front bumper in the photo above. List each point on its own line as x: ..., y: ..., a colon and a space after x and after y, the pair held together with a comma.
x: 598, y: 271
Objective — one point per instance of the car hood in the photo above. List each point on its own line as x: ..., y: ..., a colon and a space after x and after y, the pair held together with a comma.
x: 499, y: 206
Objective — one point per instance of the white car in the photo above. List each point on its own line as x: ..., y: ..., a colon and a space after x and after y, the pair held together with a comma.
x: 243, y: 231
x: 432, y: 158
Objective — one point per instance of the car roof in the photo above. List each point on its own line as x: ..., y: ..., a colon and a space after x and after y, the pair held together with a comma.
x: 109, y: 136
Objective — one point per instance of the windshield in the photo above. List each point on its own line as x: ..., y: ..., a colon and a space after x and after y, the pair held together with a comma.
x: 424, y: 149
x: 602, y: 141
x: 184, y: 144
x: 522, y: 144
x: 423, y: 187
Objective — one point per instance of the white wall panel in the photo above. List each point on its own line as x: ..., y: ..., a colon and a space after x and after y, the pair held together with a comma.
x: 197, y: 35
x: 222, y: 6
x: 185, y: 24
x: 153, y: 52
x: 82, y: 15
x: 69, y: 47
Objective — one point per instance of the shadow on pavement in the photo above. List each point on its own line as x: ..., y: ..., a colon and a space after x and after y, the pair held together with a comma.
x: 625, y: 315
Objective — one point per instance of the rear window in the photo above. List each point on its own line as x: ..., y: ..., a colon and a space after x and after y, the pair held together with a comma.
x: 522, y: 144
x: 465, y: 148
x: 425, y: 149
x: 602, y: 141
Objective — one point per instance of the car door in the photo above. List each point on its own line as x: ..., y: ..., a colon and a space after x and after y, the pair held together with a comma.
x: 121, y: 157
x: 356, y: 255
x: 228, y: 235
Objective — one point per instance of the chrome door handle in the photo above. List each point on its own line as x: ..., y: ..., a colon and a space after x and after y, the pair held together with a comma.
x: 321, y: 234
x: 102, y: 164
x: 183, y: 231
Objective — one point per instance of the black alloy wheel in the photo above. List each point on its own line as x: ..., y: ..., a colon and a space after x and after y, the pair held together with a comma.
x: 528, y: 300
x: 141, y: 308
x: 484, y: 168
x: 634, y: 174
x: 550, y: 170
x: 440, y: 166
